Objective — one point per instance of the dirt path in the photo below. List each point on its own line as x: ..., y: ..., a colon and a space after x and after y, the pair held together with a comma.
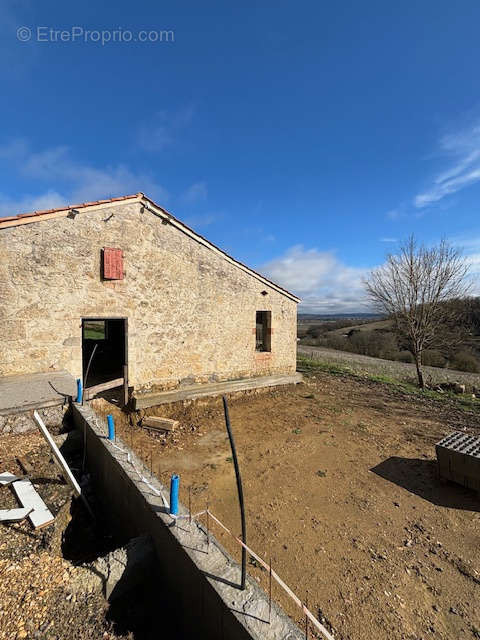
x: 341, y: 493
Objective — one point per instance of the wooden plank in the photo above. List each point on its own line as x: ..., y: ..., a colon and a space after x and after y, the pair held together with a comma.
x: 14, y: 515
x: 68, y: 475
x: 7, y: 478
x: 162, y: 424
x: 89, y: 392
x: 39, y: 514
x: 219, y: 388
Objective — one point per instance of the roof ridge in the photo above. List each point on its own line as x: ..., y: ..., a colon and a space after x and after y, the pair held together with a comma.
x: 143, y: 198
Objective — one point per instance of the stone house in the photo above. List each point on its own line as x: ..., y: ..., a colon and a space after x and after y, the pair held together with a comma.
x: 122, y: 288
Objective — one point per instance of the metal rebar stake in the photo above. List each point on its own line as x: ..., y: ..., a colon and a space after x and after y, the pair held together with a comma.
x: 306, y: 617
x: 208, y: 528
x: 190, y: 505
x: 270, y: 593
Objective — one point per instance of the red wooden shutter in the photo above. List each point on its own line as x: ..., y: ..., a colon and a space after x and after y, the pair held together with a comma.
x: 112, y: 264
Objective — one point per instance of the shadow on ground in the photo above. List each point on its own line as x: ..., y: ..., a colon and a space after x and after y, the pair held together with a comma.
x: 421, y: 478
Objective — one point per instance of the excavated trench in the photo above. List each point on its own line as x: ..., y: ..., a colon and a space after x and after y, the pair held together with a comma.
x: 79, y: 577
x: 124, y: 568
x: 125, y: 571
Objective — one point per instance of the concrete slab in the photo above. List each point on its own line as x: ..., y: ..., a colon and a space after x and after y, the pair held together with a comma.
x: 145, y: 400
x: 35, y: 391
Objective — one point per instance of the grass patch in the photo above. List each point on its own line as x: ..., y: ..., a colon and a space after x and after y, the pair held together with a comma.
x: 310, y: 366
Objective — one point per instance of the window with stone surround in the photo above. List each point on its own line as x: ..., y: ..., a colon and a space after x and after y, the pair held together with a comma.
x: 263, y: 333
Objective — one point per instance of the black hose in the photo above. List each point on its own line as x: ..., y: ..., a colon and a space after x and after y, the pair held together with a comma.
x: 240, y: 493
x: 88, y: 369
x: 83, y: 396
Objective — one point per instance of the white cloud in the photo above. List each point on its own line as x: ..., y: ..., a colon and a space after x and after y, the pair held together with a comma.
x: 202, y: 220
x: 48, y: 200
x: 393, y: 214
x: 164, y: 128
x: 68, y: 181
x: 388, y: 239
x: 474, y: 261
x: 463, y: 150
x: 469, y: 245
x: 196, y: 192
x: 324, y: 283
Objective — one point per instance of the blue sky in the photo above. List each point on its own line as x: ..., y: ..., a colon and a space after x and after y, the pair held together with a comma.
x: 304, y: 138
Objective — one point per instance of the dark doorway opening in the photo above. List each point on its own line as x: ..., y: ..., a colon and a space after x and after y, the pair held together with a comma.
x: 104, y: 351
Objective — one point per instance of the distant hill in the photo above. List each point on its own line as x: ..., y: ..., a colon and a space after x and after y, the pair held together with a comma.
x: 371, y: 325
x: 373, y: 335
x: 312, y: 317
x: 316, y: 323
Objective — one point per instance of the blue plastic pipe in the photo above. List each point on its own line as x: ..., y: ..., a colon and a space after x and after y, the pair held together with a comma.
x: 174, y: 486
x: 111, y: 427
x: 79, y: 390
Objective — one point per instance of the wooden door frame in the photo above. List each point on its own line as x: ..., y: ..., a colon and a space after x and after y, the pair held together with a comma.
x: 112, y: 384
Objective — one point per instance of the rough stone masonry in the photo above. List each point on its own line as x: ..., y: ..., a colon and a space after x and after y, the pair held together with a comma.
x: 190, y: 309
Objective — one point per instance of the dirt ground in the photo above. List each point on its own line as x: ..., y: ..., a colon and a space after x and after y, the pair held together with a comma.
x: 38, y: 599
x: 341, y: 492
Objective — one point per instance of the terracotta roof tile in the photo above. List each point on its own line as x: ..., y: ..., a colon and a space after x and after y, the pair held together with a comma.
x: 68, y: 207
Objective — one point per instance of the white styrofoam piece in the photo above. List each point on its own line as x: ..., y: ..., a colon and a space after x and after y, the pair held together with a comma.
x: 14, y: 515
x: 26, y: 493
x: 7, y: 478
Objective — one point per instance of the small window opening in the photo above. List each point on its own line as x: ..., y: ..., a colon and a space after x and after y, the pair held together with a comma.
x: 263, y: 331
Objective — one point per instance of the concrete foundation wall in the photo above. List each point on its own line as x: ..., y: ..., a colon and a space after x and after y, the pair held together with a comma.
x: 203, y: 584
x: 191, y: 313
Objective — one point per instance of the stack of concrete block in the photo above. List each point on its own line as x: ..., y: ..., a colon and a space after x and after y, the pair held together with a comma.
x: 458, y: 457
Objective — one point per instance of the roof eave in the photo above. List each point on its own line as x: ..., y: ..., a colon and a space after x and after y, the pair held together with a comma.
x: 199, y: 238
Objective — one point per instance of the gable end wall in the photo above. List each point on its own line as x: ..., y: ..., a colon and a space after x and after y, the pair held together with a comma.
x: 191, y: 313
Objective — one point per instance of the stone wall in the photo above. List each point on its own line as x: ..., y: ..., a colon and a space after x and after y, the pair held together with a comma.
x: 191, y: 313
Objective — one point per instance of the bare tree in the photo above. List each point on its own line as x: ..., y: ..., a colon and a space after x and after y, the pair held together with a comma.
x: 413, y: 287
